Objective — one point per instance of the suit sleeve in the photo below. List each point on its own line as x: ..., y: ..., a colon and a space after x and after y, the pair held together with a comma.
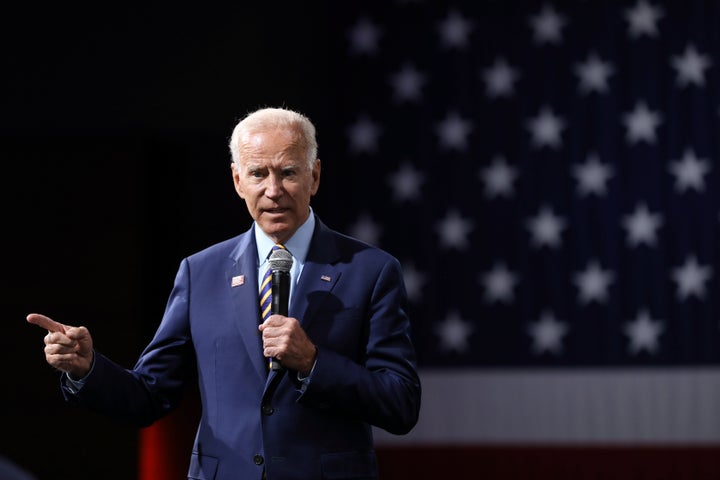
x: 157, y: 382
x: 384, y: 389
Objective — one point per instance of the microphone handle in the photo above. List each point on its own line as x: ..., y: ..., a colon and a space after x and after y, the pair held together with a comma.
x: 280, y: 300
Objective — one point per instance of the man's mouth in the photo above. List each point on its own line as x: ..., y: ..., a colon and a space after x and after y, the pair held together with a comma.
x: 275, y: 210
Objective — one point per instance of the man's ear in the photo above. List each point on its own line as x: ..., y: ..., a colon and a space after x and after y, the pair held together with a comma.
x: 316, y: 177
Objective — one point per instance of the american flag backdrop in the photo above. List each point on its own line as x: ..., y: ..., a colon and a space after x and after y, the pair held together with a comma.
x: 547, y: 174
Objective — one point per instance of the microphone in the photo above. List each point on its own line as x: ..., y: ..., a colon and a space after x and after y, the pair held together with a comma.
x: 280, y: 263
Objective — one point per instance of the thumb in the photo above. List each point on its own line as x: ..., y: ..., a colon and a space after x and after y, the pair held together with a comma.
x: 77, y: 333
x: 81, y: 335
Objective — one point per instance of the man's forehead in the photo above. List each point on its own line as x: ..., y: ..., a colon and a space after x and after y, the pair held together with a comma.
x: 261, y: 144
x: 284, y: 163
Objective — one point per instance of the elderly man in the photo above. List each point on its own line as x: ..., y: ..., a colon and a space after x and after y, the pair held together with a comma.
x: 345, y: 349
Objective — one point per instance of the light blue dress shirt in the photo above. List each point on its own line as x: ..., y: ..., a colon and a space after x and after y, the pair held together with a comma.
x: 298, y: 246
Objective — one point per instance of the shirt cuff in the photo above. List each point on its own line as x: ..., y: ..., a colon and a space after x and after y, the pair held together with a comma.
x: 305, y: 381
x: 73, y: 385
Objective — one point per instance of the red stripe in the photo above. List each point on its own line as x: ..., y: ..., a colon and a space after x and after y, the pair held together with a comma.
x: 550, y: 463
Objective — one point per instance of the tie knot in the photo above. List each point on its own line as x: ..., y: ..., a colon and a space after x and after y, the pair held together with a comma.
x: 277, y: 246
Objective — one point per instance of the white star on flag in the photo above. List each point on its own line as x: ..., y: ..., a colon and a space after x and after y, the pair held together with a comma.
x: 643, y: 18
x: 643, y: 333
x: 547, y: 334
x: 642, y: 226
x: 546, y: 228
x: 690, y: 67
x: 690, y: 172
x: 691, y: 278
x: 454, y: 230
x: 641, y: 124
x: 593, y: 283
x: 407, y: 84
x: 454, y: 30
x: 454, y: 333
x: 364, y: 37
x: 592, y: 176
x: 547, y: 25
x: 498, y: 178
x: 453, y: 132
x: 406, y: 182
x: 499, y: 283
x: 415, y: 280
x: 500, y: 79
x: 366, y: 229
x: 364, y: 135
x: 546, y: 129
x: 594, y: 74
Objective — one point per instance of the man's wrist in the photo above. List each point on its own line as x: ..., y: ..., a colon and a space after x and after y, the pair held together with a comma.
x: 83, y: 376
x: 304, y: 374
x: 77, y: 384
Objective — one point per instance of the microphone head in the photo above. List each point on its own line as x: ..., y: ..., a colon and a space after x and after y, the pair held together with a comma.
x: 280, y: 261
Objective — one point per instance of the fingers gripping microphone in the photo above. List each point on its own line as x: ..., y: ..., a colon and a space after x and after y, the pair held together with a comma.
x: 280, y: 262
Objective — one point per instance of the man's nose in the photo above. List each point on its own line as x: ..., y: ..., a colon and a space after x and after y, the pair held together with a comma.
x: 274, y: 187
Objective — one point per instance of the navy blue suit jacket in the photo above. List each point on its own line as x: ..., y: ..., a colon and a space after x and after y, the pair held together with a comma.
x: 350, y: 301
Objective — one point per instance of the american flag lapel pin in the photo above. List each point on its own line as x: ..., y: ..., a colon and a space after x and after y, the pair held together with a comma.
x: 325, y: 278
x: 237, y: 281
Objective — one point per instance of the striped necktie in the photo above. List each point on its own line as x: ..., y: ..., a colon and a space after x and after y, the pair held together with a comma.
x: 266, y: 289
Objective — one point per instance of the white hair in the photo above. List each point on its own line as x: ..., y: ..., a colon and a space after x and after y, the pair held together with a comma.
x: 275, y: 118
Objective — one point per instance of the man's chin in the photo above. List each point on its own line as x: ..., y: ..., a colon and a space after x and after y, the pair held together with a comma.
x: 276, y: 229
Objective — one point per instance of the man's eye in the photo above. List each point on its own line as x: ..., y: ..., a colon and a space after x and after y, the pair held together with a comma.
x: 256, y: 174
x: 288, y: 172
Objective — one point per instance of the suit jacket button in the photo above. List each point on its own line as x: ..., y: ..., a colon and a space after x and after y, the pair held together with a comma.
x: 267, y: 409
x: 258, y: 459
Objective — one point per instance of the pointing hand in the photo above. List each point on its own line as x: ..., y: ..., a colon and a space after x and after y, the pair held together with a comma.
x: 69, y: 349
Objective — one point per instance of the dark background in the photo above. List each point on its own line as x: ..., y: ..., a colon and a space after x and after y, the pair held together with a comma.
x: 114, y: 123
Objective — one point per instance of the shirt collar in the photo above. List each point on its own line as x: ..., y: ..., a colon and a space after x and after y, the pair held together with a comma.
x: 298, y: 245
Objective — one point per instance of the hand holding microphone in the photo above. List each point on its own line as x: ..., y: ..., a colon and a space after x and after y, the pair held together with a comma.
x: 283, y: 337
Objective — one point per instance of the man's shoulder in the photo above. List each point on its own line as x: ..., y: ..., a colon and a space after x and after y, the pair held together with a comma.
x: 349, y: 245
x: 223, y: 248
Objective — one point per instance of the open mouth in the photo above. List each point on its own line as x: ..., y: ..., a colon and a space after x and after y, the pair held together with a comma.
x: 275, y: 211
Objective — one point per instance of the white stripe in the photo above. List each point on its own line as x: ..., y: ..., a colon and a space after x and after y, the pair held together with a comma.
x: 566, y: 406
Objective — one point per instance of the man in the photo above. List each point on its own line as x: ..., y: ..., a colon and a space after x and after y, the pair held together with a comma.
x: 345, y: 345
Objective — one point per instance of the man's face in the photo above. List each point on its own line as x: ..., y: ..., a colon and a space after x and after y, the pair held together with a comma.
x: 275, y: 181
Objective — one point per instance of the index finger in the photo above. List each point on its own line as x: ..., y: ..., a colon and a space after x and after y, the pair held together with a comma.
x: 45, y: 322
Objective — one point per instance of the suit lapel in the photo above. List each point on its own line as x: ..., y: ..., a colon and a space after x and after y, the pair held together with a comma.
x: 320, y: 274
x: 245, y: 299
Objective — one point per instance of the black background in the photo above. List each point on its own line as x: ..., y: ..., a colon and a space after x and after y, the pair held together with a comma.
x: 114, y: 123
